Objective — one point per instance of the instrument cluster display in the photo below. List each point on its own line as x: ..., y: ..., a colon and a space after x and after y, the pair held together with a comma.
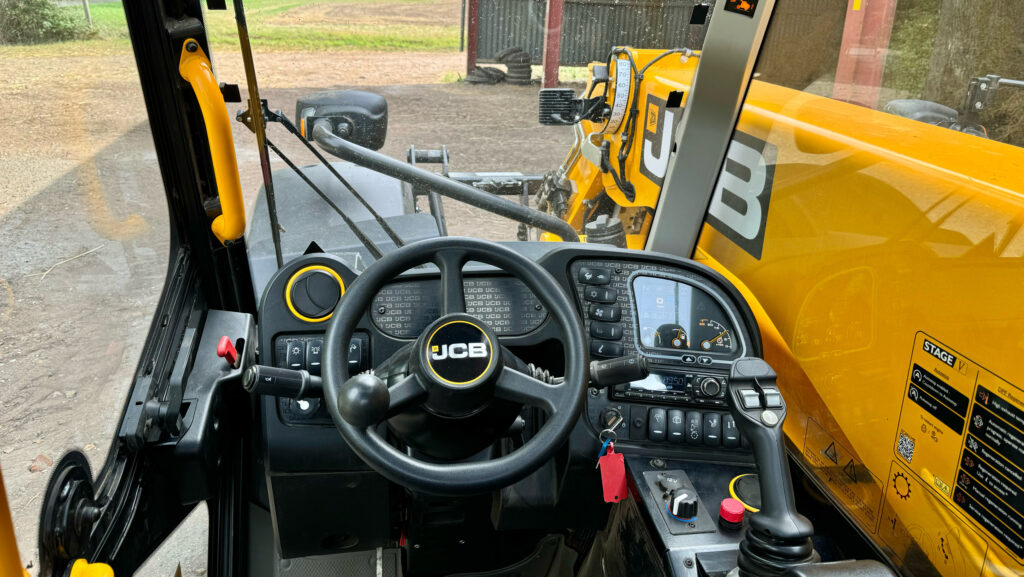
x: 678, y: 316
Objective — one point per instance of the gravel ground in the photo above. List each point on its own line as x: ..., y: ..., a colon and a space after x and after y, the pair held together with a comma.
x: 84, y: 228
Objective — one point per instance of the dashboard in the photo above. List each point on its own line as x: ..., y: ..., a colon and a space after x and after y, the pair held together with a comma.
x: 687, y: 321
x: 689, y: 325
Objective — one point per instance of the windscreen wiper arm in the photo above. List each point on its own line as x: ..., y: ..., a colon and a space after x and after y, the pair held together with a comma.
x: 369, y: 244
x: 259, y: 127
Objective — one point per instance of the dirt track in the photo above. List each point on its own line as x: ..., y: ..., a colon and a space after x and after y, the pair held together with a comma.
x: 84, y: 228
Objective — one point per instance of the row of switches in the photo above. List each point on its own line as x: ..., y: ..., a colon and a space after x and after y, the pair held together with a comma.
x: 692, y: 428
x: 298, y: 353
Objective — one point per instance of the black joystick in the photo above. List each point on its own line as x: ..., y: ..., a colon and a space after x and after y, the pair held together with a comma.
x: 779, y: 538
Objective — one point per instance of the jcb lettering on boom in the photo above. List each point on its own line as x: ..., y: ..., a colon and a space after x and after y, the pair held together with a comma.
x: 739, y: 205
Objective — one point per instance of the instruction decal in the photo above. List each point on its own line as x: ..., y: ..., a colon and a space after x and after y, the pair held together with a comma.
x: 623, y: 80
x: 850, y: 481
x: 961, y: 432
x: 924, y: 535
x: 945, y: 403
x: 744, y: 7
x: 990, y: 487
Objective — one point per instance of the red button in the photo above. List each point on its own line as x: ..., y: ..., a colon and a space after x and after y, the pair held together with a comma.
x: 731, y: 511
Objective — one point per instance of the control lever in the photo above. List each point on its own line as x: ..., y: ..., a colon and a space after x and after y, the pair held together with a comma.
x: 618, y: 371
x: 779, y: 536
x: 277, y: 382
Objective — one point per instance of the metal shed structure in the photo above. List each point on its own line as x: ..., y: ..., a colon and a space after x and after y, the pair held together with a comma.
x: 576, y: 32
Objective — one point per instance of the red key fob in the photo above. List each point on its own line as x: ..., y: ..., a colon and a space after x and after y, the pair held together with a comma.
x: 613, y: 475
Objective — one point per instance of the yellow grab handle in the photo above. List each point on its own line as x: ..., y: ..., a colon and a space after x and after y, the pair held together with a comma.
x: 83, y: 568
x: 195, y: 67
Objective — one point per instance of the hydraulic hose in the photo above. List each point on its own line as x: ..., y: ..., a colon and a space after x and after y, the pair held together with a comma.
x: 444, y: 186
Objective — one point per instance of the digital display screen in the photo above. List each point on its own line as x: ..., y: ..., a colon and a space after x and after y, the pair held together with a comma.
x: 677, y: 316
x: 658, y: 382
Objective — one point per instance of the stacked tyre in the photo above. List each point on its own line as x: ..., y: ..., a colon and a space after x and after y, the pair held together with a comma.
x: 518, y: 62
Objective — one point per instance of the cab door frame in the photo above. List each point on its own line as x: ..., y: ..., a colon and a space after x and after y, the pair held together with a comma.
x: 140, y: 490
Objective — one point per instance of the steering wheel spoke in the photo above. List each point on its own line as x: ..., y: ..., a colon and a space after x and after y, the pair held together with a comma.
x: 519, y: 387
x: 406, y: 393
x: 453, y: 297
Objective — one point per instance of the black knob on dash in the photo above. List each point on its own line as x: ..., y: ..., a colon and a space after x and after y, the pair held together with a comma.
x: 682, y: 504
x: 710, y: 387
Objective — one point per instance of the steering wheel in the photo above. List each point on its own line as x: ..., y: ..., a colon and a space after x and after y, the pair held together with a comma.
x: 455, y: 372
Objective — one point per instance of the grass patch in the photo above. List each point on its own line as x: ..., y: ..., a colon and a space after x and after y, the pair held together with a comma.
x: 910, y: 46
x: 573, y: 74
x: 270, y: 28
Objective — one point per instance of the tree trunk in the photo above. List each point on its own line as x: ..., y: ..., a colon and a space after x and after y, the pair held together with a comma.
x: 975, y: 38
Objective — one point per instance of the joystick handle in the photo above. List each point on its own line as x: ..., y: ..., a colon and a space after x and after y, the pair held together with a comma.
x: 759, y: 411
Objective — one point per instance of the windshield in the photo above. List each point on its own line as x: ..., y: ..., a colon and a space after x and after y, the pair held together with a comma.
x: 83, y: 210
x: 452, y: 89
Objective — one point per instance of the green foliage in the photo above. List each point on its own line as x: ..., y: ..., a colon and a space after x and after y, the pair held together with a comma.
x: 271, y: 27
x: 36, y: 21
x: 910, y: 46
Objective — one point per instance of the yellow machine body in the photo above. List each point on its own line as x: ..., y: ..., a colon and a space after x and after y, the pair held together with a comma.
x: 884, y: 259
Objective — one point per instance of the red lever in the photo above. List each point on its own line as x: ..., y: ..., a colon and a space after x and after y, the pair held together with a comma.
x: 226, y: 349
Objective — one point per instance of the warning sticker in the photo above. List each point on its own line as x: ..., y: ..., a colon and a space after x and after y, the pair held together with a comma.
x: 940, y: 384
x: 922, y: 531
x: 990, y: 487
x: 850, y: 481
x: 961, y: 432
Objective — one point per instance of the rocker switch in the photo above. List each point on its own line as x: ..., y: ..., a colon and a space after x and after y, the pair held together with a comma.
x: 295, y: 355
x: 656, y: 424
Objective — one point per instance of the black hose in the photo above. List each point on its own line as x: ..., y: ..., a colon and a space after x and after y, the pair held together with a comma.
x: 444, y: 186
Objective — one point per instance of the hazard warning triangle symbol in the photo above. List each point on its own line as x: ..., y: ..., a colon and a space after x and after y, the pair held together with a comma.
x: 851, y: 470
x: 830, y: 452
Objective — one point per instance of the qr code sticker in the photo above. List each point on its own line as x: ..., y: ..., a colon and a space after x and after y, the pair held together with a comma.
x: 905, y: 446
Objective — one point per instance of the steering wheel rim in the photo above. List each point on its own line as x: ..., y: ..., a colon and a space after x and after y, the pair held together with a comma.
x: 562, y: 402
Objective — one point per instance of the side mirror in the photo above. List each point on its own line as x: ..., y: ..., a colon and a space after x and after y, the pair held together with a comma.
x: 358, y: 117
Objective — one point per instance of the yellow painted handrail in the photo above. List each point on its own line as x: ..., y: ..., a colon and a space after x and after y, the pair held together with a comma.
x: 10, y: 561
x: 195, y: 67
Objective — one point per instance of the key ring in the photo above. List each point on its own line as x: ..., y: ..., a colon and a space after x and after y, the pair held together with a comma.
x: 607, y: 435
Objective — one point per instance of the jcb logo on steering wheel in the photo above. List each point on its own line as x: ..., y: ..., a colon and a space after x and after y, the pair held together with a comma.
x: 458, y: 351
